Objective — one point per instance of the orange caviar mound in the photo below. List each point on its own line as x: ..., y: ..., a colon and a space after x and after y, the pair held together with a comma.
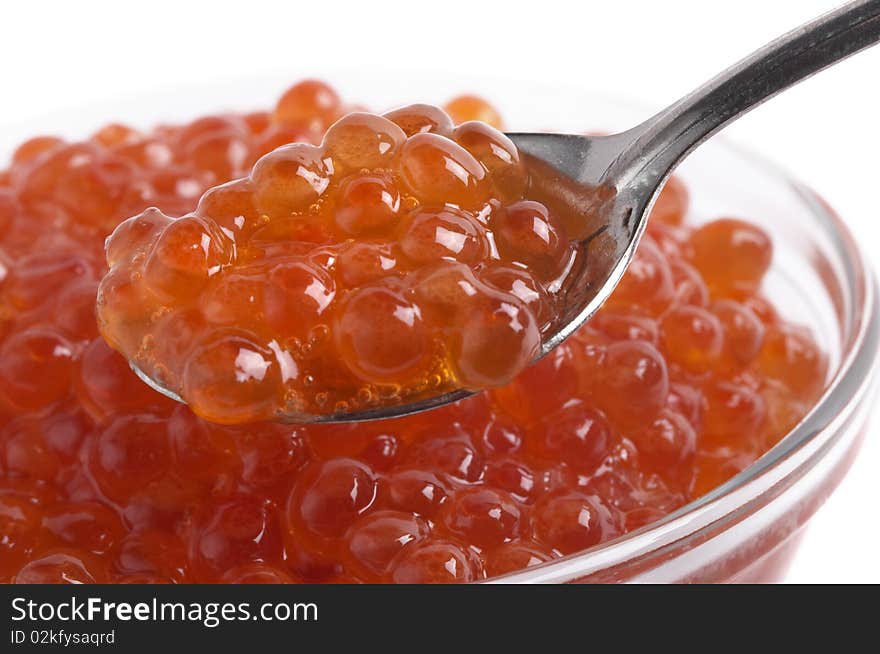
x: 683, y: 379
x: 398, y: 259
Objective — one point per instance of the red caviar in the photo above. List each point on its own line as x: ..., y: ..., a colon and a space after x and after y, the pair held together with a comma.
x: 359, y: 273
x: 683, y: 379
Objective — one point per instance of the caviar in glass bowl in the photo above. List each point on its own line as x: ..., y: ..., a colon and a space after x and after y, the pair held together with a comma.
x: 682, y: 381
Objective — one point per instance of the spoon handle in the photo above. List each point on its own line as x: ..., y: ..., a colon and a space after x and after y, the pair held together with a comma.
x: 655, y: 147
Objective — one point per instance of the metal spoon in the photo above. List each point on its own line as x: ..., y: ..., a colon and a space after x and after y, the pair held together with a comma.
x: 626, y: 171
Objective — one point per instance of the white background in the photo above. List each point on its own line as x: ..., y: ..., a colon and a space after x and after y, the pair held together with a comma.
x: 60, y: 55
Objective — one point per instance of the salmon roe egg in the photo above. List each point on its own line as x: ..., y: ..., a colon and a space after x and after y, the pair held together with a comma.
x: 571, y: 521
x: 188, y: 252
x: 528, y: 233
x: 731, y: 254
x: 336, y: 273
x: 367, y: 203
x: 309, y: 103
x: 438, y: 170
x: 471, y: 107
x: 418, y: 118
x: 231, y: 379
x: 362, y: 140
x: 496, y: 152
x: 382, y: 336
x: 497, y: 340
x: 428, y: 235
x: 290, y: 179
x: 436, y: 563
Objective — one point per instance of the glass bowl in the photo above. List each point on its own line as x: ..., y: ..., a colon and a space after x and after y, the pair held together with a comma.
x: 747, y: 529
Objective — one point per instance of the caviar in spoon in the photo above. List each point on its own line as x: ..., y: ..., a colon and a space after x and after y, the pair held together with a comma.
x: 401, y: 259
